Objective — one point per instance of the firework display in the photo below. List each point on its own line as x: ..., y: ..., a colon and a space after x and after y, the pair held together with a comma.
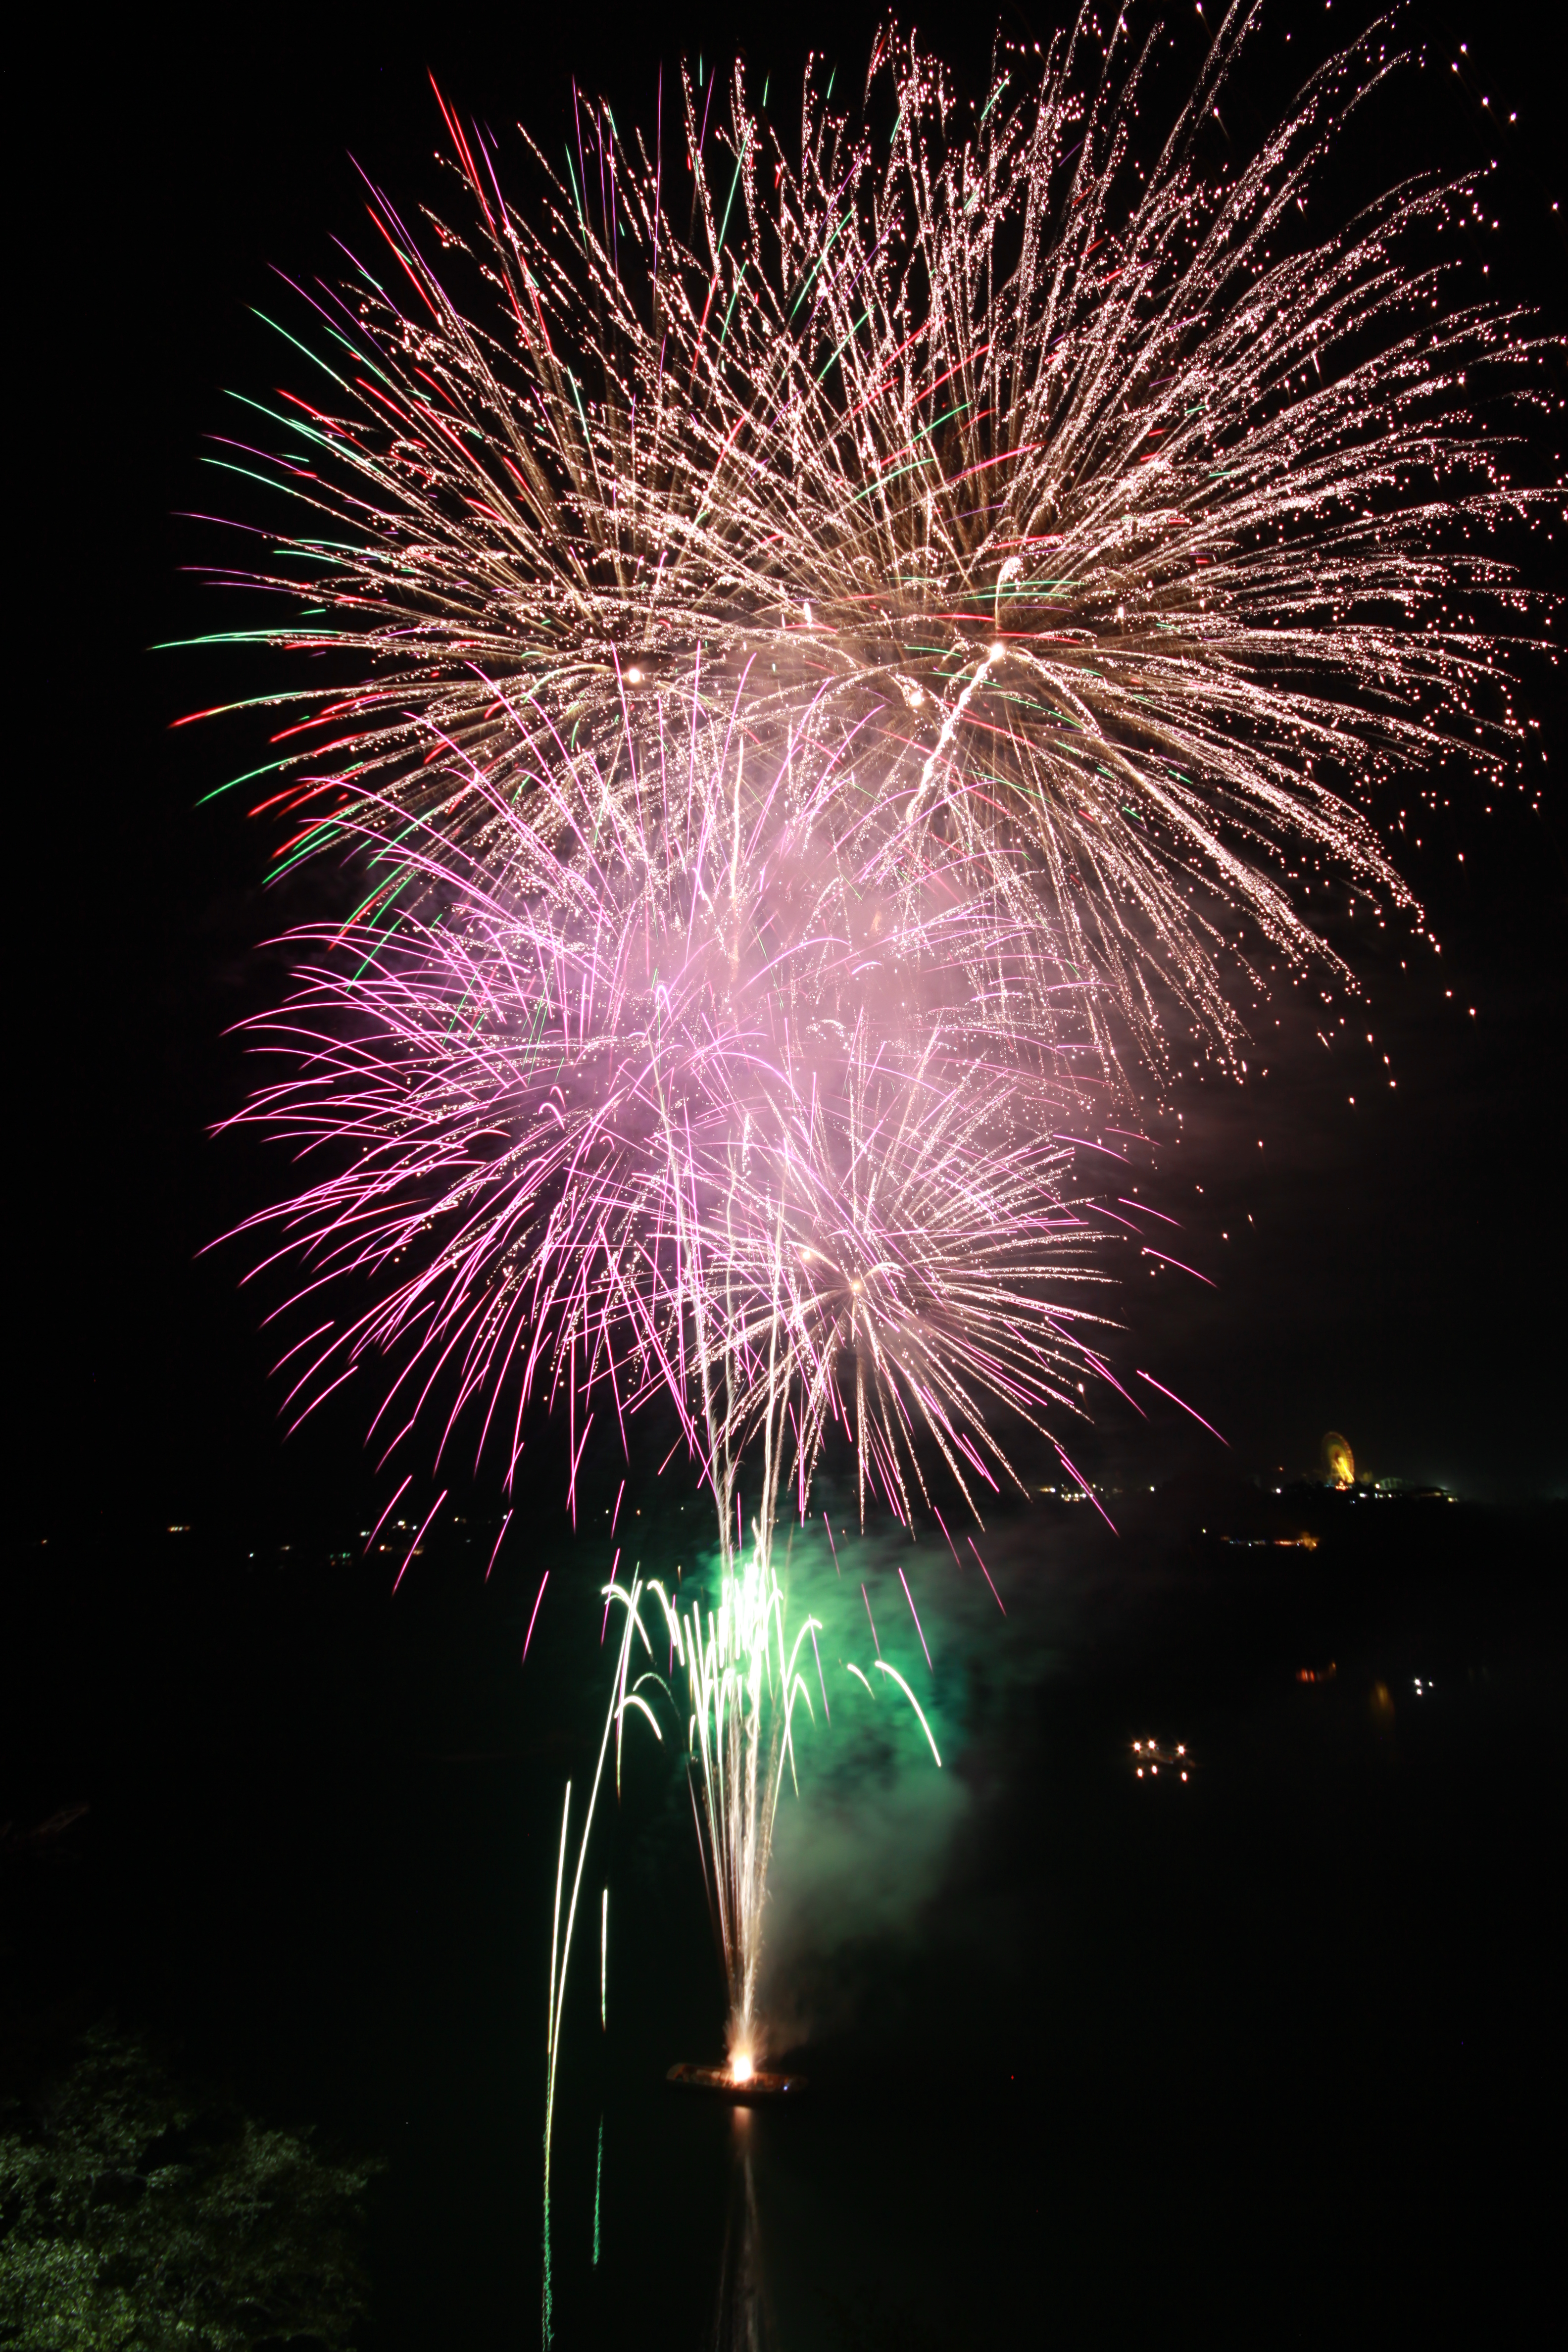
x: 833, y: 639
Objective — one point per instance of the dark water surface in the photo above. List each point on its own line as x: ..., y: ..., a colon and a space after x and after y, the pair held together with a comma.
x: 1273, y: 2055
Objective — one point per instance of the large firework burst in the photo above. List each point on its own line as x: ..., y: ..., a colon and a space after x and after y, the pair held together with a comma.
x: 1110, y: 531
x: 703, y: 1111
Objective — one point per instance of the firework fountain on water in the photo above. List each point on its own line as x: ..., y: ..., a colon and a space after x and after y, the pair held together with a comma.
x: 843, y: 639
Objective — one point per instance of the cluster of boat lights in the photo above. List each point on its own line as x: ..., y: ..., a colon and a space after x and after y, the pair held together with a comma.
x: 1150, y: 1755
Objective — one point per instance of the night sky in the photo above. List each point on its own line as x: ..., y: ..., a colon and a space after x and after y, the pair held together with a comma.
x: 1400, y: 1275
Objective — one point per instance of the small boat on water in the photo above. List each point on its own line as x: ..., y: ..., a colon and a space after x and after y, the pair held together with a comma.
x: 725, y: 2083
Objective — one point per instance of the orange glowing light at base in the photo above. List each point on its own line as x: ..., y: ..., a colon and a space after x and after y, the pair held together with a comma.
x: 742, y: 2087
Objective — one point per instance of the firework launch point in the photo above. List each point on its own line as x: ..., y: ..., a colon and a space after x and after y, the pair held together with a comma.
x: 721, y: 2082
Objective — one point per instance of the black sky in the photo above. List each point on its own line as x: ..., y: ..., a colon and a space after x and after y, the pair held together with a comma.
x: 1401, y: 1278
